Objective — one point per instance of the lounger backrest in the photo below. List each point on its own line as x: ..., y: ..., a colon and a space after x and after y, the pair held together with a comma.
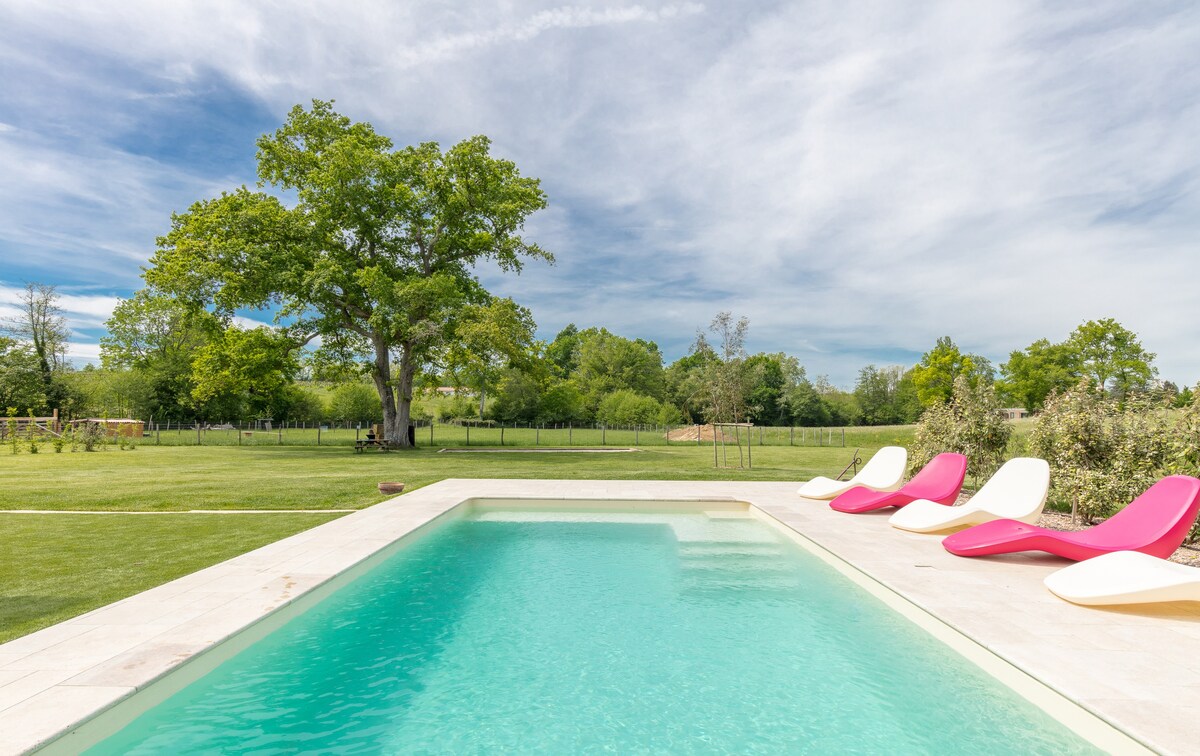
x: 940, y: 479
x: 885, y: 469
x: 1018, y: 489
x: 1165, y: 511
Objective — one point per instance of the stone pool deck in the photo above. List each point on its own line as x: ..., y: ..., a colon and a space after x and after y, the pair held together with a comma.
x: 1136, y: 668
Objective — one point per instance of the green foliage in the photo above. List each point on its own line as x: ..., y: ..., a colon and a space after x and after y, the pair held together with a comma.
x: 807, y: 407
x: 300, y: 405
x: 456, y: 410
x: 1033, y: 374
x: 21, y: 383
x: 970, y: 424
x: 149, y: 357
x: 563, y: 352
x: 33, y: 436
x: 489, y: 338
x: 256, y: 364
x: 685, y: 380
x: 1185, y: 449
x: 92, y: 436
x: 117, y: 392
x: 771, y: 377
x: 1185, y: 397
x: 842, y: 406
x: 886, y: 396
x: 1102, y: 453
x: 526, y: 397
x: 626, y: 408
x: 609, y: 363
x: 726, y: 381
x: 355, y: 402
x: 377, y: 255
x: 935, y: 375
x: 10, y: 431
x: 40, y: 327
x: 1112, y: 356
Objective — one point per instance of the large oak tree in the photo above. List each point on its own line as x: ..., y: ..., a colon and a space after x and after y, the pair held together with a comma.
x: 375, y: 255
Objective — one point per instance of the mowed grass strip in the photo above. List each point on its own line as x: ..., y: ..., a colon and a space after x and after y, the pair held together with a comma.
x: 59, y: 566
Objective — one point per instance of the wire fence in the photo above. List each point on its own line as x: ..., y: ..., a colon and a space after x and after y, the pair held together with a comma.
x: 452, y: 435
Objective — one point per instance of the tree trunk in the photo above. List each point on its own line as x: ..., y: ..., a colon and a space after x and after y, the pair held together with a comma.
x: 408, y: 371
x: 381, y: 374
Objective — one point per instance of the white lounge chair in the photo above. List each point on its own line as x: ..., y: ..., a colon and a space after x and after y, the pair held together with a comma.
x: 1125, y: 577
x: 1017, y: 491
x: 884, y: 472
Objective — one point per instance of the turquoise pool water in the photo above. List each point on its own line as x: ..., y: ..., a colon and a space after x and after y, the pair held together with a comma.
x: 528, y: 632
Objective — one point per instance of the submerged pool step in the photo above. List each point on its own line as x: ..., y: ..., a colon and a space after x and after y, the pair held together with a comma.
x: 688, y: 549
x: 735, y: 571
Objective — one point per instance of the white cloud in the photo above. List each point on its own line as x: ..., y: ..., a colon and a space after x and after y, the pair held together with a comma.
x: 857, y: 183
x: 81, y: 354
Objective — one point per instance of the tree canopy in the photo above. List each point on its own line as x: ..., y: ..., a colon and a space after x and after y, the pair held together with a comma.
x: 934, y: 376
x: 1112, y: 356
x: 1103, y: 351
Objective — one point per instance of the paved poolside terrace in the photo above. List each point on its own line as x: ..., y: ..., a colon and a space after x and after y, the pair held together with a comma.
x: 1137, y: 669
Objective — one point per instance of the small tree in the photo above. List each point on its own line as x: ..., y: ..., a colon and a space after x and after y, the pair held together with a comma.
x: 935, y: 375
x: 11, y: 430
x: 1102, y: 454
x: 970, y: 423
x: 725, y: 381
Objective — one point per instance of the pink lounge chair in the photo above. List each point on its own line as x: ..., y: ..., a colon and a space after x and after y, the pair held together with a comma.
x: 1154, y: 523
x: 939, y: 481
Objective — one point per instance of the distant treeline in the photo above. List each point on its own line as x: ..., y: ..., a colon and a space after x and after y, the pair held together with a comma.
x: 166, y: 361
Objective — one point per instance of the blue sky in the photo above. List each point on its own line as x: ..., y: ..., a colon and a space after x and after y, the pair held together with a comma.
x: 856, y: 179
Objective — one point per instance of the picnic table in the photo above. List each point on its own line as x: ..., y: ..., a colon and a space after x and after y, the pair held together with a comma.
x: 370, y: 442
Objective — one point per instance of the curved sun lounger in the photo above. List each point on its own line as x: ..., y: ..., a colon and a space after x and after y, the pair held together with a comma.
x: 1017, y: 492
x: 884, y: 472
x: 938, y: 481
x: 1125, y: 577
x: 1154, y: 523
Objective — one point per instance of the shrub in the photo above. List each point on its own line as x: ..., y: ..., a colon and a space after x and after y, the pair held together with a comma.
x: 625, y: 407
x: 355, y: 402
x: 970, y: 423
x: 1102, y: 453
x: 92, y: 436
x: 457, y: 409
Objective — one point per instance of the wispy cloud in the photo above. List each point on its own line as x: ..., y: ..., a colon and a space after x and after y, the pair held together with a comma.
x: 856, y: 183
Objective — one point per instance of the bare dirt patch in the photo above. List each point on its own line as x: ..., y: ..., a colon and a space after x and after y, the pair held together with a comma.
x: 701, y: 432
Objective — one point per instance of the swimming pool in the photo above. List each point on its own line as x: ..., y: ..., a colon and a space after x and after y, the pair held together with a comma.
x: 564, y: 632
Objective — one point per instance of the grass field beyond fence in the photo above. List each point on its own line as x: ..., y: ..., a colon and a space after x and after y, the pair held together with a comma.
x: 452, y: 435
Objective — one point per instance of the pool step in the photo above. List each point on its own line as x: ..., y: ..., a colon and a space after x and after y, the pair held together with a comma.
x: 736, y: 571
x: 689, y: 549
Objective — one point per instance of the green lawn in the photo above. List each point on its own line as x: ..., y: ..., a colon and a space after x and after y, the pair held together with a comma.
x: 59, y: 565
x: 331, y: 477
